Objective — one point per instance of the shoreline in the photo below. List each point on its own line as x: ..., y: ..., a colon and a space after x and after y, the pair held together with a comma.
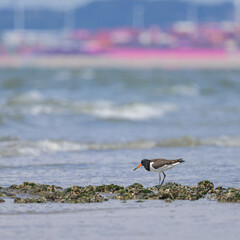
x: 121, y: 60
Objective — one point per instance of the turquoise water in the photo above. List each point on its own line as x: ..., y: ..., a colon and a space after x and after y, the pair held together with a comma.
x: 91, y: 126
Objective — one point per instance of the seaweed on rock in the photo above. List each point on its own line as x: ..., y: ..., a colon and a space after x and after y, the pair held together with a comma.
x: 41, y: 193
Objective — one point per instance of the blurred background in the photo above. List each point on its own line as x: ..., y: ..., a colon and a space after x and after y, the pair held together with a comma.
x: 97, y: 27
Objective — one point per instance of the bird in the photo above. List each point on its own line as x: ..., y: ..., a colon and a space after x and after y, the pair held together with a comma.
x: 159, y: 165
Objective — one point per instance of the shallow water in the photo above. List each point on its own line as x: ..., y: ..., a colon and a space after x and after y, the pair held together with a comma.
x: 131, y: 220
x: 81, y: 127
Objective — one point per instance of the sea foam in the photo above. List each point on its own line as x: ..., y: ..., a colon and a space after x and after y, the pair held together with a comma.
x: 13, y: 146
x: 34, y: 103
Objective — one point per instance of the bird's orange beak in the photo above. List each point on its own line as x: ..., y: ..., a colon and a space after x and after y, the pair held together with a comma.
x: 137, y: 167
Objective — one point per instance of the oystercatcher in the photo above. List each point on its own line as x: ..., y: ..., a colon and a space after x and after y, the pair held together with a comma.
x: 159, y: 165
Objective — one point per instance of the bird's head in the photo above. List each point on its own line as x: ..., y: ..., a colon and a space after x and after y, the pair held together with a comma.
x: 144, y: 162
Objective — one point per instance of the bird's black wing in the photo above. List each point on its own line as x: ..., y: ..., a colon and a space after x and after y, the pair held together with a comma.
x: 160, y: 162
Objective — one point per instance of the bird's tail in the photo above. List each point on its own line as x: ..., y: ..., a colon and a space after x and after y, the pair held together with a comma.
x: 180, y: 160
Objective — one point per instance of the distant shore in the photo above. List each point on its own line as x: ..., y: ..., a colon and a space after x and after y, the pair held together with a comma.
x: 127, y: 60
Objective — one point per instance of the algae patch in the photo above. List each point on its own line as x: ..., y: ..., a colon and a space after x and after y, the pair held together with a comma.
x: 29, y: 192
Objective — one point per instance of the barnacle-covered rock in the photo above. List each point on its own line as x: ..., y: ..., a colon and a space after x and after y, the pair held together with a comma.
x: 75, y: 194
x: 177, y: 191
x: 7, y: 194
x: 30, y: 200
x: 227, y: 195
x: 135, y: 191
x: 206, y: 186
x: 41, y: 193
x: 33, y: 188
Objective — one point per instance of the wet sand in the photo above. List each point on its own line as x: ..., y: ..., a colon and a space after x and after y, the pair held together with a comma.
x: 131, y: 220
x: 126, y: 60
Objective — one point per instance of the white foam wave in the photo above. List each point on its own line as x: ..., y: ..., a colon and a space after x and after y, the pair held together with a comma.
x: 223, y: 141
x: 133, y: 111
x: 34, y: 103
x: 41, y: 109
x: 11, y: 147
x: 27, y: 97
x: 18, y: 147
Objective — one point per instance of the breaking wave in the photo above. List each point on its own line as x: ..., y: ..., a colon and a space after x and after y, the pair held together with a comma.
x: 13, y: 146
x: 131, y: 111
x: 34, y: 103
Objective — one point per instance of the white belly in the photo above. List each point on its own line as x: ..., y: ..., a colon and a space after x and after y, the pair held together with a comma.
x: 162, y: 169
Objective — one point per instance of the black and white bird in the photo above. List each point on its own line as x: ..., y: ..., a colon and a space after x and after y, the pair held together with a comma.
x: 159, y: 165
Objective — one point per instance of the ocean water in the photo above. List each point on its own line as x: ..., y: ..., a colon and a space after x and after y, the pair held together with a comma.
x: 93, y: 126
